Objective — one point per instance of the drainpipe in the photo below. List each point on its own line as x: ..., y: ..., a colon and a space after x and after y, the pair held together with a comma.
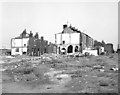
x: 56, y: 43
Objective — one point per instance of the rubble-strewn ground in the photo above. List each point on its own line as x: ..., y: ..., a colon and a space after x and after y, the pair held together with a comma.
x: 53, y: 73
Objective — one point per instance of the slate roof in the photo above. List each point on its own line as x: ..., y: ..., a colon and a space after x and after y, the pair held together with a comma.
x: 70, y: 29
x: 20, y: 37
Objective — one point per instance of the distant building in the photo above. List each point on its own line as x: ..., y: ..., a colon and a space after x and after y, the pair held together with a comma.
x: 19, y: 44
x: 5, y: 51
x: 99, y: 46
x: 36, y: 46
x: 52, y: 48
x: 109, y: 48
x: 71, y: 40
x: 27, y: 44
x: 118, y: 48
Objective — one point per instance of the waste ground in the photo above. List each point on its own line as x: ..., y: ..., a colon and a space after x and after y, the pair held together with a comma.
x: 52, y: 73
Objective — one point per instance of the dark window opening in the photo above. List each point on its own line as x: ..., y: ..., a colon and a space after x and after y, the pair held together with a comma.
x: 34, y: 51
x: 45, y: 50
x: 70, y: 49
x: 24, y: 45
x: 25, y: 53
x: 76, y: 49
x: 63, y: 42
x: 38, y: 52
x: 17, y: 49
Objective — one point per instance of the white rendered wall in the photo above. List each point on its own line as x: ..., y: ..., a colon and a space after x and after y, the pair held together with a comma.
x: 19, y: 42
x: 66, y: 38
x: 24, y: 49
x: 91, y: 52
x: 75, y: 38
x: 13, y: 51
x: 16, y: 42
x: 25, y: 41
x: 58, y: 39
x: 102, y: 49
x: 69, y: 38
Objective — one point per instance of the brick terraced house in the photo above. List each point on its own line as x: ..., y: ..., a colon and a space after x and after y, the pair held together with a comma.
x: 27, y: 44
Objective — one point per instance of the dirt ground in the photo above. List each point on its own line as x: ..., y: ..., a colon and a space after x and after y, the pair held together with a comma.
x: 52, y: 73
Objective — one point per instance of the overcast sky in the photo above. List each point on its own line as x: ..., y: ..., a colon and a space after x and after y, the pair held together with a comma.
x: 97, y: 19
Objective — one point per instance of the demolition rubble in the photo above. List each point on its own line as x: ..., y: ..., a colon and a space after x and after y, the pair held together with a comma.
x: 54, y: 73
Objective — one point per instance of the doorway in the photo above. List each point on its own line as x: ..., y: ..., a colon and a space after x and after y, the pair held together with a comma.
x: 76, y: 49
x: 70, y: 49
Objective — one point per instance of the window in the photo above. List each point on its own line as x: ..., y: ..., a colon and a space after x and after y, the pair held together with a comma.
x: 76, y: 49
x: 24, y: 53
x: 24, y: 45
x: 17, y: 49
x: 70, y: 49
x: 63, y: 42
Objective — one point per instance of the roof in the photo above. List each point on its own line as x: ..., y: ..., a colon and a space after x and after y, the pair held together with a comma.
x: 70, y: 30
x: 20, y: 37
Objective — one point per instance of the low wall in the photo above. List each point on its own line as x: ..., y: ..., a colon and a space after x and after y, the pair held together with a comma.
x: 91, y: 52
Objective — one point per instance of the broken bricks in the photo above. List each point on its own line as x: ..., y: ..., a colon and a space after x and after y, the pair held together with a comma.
x: 85, y: 70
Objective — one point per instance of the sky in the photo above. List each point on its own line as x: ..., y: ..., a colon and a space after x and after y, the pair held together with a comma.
x: 97, y: 19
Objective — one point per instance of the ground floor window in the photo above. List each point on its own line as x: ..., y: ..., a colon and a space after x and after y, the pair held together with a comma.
x: 24, y: 53
x: 63, y: 51
x: 17, y: 49
x: 70, y: 49
x: 76, y: 49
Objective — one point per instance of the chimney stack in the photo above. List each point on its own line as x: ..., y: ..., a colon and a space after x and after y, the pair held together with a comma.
x: 31, y: 34
x: 64, y: 26
x: 42, y: 38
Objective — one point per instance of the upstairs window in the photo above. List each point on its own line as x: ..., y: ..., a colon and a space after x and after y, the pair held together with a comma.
x: 24, y: 45
x: 63, y: 42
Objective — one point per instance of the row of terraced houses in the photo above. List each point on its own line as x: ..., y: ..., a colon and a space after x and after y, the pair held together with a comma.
x: 29, y: 44
x: 70, y: 40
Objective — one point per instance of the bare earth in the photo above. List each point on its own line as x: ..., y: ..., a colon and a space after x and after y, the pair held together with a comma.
x: 53, y: 73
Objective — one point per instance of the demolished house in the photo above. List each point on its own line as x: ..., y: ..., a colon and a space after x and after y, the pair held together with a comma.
x: 71, y: 40
x: 109, y: 48
x: 27, y: 44
x: 5, y: 51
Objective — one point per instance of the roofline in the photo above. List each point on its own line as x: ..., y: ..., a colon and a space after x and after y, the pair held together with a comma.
x: 20, y: 37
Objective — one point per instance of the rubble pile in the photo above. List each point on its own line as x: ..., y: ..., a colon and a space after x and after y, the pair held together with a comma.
x: 52, y: 72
